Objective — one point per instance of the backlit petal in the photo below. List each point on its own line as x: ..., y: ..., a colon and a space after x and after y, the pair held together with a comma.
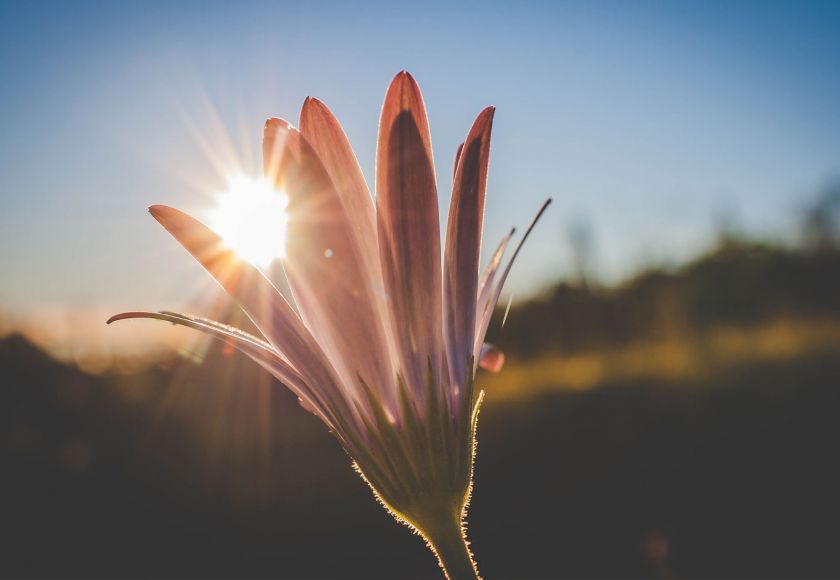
x: 324, y: 133
x: 260, y: 300
x: 463, y: 242
x: 255, y: 348
x: 409, y: 230
x: 485, y: 289
x: 484, y: 321
x: 325, y: 266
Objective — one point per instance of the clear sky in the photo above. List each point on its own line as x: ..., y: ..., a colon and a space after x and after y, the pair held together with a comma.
x: 646, y: 120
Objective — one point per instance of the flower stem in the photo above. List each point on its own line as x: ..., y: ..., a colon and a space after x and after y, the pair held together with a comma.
x: 450, y: 544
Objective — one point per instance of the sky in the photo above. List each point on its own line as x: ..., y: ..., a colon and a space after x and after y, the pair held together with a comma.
x: 645, y: 121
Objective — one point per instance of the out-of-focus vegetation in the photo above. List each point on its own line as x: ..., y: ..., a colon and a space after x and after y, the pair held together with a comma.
x: 682, y: 423
x: 743, y: 302
x: 737, y: 285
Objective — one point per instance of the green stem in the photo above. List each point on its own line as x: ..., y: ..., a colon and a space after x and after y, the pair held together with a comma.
x: 452, y: 551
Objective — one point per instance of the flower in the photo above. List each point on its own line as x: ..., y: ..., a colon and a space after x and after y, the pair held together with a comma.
x: 387, y: 342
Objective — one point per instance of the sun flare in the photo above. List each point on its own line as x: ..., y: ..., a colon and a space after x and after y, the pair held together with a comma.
x: 251, y: 219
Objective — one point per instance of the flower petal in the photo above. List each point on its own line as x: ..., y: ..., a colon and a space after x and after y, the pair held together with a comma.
x: 258, y: 297
x: 409, y: 230
x: 485, y: 288
x: 492, y: 358
x: 463, y: 243
x: 484, y: 320
x: 255, y: 348
x: 323, y: 132
x: 325, y: 265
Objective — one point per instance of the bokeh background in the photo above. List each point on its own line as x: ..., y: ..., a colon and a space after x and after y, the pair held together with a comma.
x: 669, y: 404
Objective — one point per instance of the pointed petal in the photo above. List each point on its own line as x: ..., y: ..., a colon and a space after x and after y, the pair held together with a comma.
x: 463, y: 243
x: 492, y: 358
x: 409, y: 229
x: 224, y: 330
x: 485, y: 286
x: 260, y: 300
x: 484, y: 321
x: 256, y: 349
x: 325, y: 264
x: 323, y: 132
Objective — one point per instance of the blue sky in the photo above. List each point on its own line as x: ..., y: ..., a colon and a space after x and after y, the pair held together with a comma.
x: 646, y: 120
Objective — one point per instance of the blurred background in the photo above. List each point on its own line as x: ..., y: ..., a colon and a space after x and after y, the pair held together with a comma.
x: 668, y: 406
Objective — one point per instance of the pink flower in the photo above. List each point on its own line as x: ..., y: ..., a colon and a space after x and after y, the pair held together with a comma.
x: 387, y: 343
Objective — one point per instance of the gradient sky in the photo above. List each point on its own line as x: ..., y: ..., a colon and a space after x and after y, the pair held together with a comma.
x: 646, y: 120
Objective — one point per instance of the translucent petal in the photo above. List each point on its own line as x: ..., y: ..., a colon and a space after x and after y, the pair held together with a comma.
x: 260, y: 300
x: 325, y: 265
x: 485, y: 289
x: 463, y: 243
x: 255, y: 348
x: 409, y: 231
x: 484, y: 320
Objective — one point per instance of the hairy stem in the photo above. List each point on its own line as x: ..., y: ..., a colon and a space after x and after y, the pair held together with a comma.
x: 450, y: 544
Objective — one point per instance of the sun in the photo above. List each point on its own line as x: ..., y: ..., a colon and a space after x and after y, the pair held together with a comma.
x: 251, y: 219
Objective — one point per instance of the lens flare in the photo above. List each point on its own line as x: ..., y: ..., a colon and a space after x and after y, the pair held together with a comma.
x: 251, y: 218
